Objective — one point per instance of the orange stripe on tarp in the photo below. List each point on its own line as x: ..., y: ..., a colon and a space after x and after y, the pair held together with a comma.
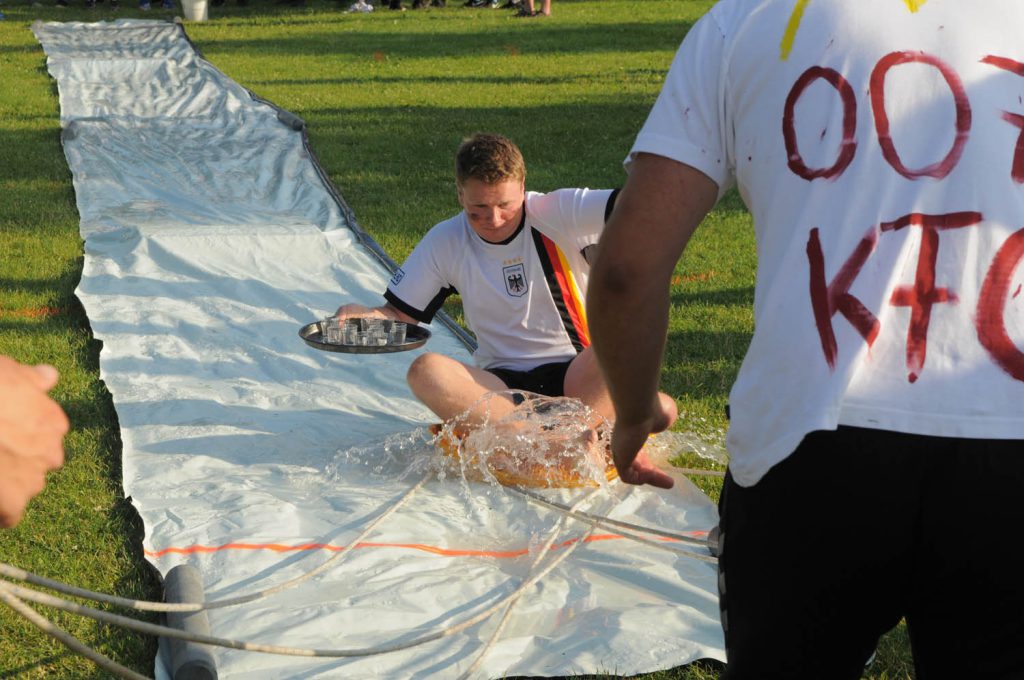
x: 444, y: 552
x: 31, y: 312
x: 570, y: 293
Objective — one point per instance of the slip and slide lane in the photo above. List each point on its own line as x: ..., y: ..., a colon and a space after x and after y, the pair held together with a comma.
x: 212, y: 236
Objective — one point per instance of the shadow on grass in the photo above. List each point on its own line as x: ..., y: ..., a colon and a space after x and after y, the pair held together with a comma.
x: 23, y: 49
x: 32, y: 286
x: 37, y: 199
x: 37, y: 665
x: 487, y: 40
x: 396, y: 195
x: 703, y: 364
x: 37, y: 152
x: 452, y: 79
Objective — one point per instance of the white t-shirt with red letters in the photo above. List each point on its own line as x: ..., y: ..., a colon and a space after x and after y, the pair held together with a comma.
x: 879, y: 146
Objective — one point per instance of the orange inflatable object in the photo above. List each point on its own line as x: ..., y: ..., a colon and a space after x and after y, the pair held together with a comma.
x: 511, y: 470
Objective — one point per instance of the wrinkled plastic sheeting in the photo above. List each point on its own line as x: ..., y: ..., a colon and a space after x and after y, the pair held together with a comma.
x: 210, y: 239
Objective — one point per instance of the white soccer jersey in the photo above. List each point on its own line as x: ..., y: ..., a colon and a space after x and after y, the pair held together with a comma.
x: 522, y: 298
x: 878, y: 146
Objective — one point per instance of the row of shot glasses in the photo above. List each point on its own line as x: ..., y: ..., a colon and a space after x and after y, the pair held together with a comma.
x: 362, y: 331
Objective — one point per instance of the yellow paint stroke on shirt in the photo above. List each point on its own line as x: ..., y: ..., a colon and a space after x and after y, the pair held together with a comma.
x: 794, y: 25
x: 914, y: 5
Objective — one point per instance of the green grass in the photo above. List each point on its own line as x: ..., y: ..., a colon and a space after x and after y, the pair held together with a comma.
x: 387, y: 97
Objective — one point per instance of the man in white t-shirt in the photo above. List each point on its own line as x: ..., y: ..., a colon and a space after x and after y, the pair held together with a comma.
x: 876, y: 422
x: 520, y: 262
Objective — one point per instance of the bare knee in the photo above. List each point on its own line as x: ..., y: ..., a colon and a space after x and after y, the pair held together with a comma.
x: 424, y: 370
x: 668, y: 406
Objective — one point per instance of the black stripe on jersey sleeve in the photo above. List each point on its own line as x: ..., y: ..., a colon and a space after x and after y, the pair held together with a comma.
x: 425, y: 316
x: 610, y: 205
x: 556, y: 290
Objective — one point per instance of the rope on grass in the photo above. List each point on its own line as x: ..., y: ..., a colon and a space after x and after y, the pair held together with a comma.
x: 12, y: 572
x: 64, y: 637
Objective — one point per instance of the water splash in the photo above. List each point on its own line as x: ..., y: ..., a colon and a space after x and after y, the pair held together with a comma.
x: 512, y: 438
x: 666, y: 445
x: 518, y: 438
x: 401, y: 456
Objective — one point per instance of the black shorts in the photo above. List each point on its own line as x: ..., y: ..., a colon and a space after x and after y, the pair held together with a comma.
x: 859, y: 528
x: 546, y: 379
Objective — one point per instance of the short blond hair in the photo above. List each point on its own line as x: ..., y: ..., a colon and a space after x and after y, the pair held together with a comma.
x: 490, y: 158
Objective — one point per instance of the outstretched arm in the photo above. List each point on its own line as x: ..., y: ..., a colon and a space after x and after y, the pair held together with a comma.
x: 32, y: 429
x: 385, y: 311
x: 658, y: 210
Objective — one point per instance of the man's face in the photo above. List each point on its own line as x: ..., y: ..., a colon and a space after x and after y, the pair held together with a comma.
x: 493, y: 210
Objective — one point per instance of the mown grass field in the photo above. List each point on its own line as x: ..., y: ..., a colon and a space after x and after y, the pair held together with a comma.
x: 387, y: 97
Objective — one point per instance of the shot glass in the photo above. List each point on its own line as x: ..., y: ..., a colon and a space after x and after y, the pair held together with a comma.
x: 350, y: 331
x: 396, y: 335
x: 331, y: 330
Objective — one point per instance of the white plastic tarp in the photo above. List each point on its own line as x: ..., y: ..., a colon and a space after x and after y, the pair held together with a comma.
x: 210, y: 239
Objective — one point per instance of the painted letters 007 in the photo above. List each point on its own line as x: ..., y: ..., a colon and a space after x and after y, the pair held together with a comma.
x: 848, y: 146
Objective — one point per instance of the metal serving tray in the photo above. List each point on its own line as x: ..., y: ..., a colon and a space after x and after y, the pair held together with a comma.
x: 415, y: 337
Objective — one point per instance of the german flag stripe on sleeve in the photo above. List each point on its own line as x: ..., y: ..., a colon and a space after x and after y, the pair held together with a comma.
x: 564, y: 290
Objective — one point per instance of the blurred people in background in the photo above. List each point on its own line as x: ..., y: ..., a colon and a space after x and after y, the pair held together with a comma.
x: 529, y: 9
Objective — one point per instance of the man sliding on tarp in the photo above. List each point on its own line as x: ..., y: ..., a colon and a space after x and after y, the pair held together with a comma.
x: 520, y: 261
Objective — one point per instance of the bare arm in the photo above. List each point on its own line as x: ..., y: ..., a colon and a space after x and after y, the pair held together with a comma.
x: 658, y: 210
x: 385, y: 311
x: 32, y: 429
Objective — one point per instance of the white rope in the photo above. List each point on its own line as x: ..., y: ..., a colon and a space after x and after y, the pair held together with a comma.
x: 540, y: 556
x: 12, y: 595
x: 606, y: 521
x: 12, y: 572
x: 153, y: 629
x: 670, y: 548
x: 498, y: 630
x: 66, y: 638
x: 619, y: 526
